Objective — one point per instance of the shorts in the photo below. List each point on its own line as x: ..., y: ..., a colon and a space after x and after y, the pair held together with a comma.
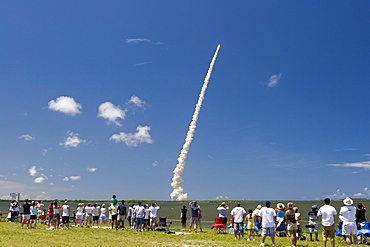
x: 292, y: 227
x: 65, y: 219
x: 103, y: 217
x: 88, y: 218
x: 114, y: 217
x: 50, y: 217
x: 139, y: 221
x: 79, y: 216
x: 129, y: 218
x: 39, y: 213
x: 121, y: 217
x: 268, y: 232
x: 153, y: 220
x: 33, y: 217
x: 95, y: 217
x: 238, y: 227
x: 26, y: 216
x: 315, y: 228
x: 349, y: 228
x: 194, y: 220
x: 56, y: 217
x: 328, y: 231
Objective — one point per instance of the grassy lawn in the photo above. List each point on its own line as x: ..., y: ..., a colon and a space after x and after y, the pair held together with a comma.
x: 12, y: 235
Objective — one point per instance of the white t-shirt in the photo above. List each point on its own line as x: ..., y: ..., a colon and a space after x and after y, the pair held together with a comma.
x: 139, y: 212
x: 222, y: 211
x: 88, y: 210
x: 65, y: 210
x: 95, y: 211
x: 153, y: 211
x: 147, y: 211
x: 267, y: 215
x: 238, y: 213
x: 348, y: 213
x: 327, y: 213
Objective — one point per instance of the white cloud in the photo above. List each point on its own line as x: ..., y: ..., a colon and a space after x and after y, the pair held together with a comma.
x: 39, y: 180
x: 137, y: 102
x: 274, y: 80
x: 65, y: 179
x: 45, y: 151
x: 72, y: 140
x: 365, y: 165
x: 138, y: 40
x: 155, y: 164
x: 337, y: 195
x: 133, y: 139
x: 111, y: 113
x: 65, y: 104
x: 33, y: 172
x: 142, y: 64
x: 92, y: 169
x: 74, y: 178
x: 27, y: 137
x: 221, y: 197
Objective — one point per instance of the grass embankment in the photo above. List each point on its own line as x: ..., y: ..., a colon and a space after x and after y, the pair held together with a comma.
x: 11, y: 234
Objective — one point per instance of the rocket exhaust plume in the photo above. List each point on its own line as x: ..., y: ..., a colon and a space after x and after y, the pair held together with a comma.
x: 176, y: 184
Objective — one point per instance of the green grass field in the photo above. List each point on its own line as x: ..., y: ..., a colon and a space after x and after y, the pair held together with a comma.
x: 12, y: 235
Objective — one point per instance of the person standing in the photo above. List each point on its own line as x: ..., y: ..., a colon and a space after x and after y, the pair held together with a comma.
x: 268, y: 219
x: 194, y: 215
x: 96, y: 214
x: 291, y: 223
x: 122, y: 215
x: 153, y: 210
x: 26, y: 213
x: 65, y: 215
x: 348, y: 216
x: 33, y: 217
x: 139, y: 213
x: 238, y: 213
x: 313, y: 222
x: 327, y: 214
x: 250, y: 218
x: 360, y: 215
x: 88, y: 214
x: 130, y: 216
x: 184, y: 211
x: 103, y: 215
x: 114, y: 214
x: 222, y: 211
x: 80, y: 214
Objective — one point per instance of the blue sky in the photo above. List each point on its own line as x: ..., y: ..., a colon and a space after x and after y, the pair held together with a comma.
x: 96, y: 99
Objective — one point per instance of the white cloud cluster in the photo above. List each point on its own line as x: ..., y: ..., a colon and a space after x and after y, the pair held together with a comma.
x: 73, y: 178
x: 133, y: 139
x: 72, y: 140
x: 274, y: 80
x: 137, y: 102
x: 66, y: 105
x: 138, y: 40
x: 27, y: 137
x: 364, y: 164
x: 33, y: 173
x: 111, y: 113
x: 338, y: 195
x: 155, y: 164
x: 221, y: 197
x: 92, y: 169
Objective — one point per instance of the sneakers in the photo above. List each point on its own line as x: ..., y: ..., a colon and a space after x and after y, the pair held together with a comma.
x: 248, y: 239
x: 236, y: 238
x: 262, y: 244
x: 273, y: 245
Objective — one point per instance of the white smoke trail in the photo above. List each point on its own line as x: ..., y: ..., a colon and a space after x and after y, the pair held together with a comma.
x: 176, y: 184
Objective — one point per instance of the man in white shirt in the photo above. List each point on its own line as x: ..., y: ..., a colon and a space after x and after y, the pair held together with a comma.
x: 238, y: 214
x: 139, y: 217
x: 347, y: 214
x: 153, y: 215
x: 268, y: 217
x: 327, y: 214
x: 65, y: 214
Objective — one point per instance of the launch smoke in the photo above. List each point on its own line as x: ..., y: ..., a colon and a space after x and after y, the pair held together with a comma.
x: 177, y: 193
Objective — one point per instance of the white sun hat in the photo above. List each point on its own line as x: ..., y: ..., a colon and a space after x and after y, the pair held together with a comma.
x: 348, y: 201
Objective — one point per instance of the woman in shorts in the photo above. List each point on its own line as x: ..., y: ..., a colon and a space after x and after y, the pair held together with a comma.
x: 33, y: 218
x: 56, y: 215
x: 291, y: 223
x: 103, y: 216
